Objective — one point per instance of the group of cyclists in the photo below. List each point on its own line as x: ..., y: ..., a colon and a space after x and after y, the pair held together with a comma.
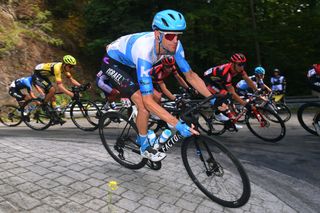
x: 135, y: 66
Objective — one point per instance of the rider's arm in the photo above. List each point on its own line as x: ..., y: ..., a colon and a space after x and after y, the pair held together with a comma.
x: 32, y: 94
x: 181, y: 81
x: 64, y: 90
x: 235, y: 96
x: 72, y: 80
x: 39, y: 90
x: 264, y: 86
x: 197, y: 83
x: 165, y: 91
x: 249, y: 82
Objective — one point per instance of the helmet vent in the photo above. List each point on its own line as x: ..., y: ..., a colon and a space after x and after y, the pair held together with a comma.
x: 165, y: 22
x: 171, y: 16
x: 180, y: 16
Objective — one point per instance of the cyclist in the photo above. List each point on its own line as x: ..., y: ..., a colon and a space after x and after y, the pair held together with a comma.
x: 278, y: 82
x: 161, y: 72
x: 314, y: 79
x: 219, y: 80
x: 259, y: 72
x: 111, y: 94
x: 44, y: 71
x: 23, y: 83
x: 128, y: 62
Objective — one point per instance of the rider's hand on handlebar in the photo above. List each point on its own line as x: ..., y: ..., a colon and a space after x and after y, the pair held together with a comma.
x: 179, y: 102
x: 75, y: 96
x: 185, y: 130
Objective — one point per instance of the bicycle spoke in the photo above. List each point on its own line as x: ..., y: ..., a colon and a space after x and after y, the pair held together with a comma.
x: 85, y: 115
x: 10, y: 115
x: 119, y: 140
x: 215, y: 171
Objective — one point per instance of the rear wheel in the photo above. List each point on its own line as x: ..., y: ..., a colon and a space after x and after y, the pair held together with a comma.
x: 210, y: 125
x: 307, y: 115
x: 36, y: 115
x: 85, y: 115
x: 10, y: 115
x: 215, y: 171
x: 265, y: 124
x: 119, y: 139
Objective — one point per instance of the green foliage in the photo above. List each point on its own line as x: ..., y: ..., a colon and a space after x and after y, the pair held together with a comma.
x: 286, y: 32
x: 41, y: 27
x: 61, y: 9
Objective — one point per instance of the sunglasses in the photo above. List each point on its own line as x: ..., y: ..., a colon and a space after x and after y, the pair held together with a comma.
x: 240, y: 64
x: 171, y: 36
x: 168, y: 66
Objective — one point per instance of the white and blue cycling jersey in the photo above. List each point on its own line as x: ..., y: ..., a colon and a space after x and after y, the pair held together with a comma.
x: 22, y: 83
x: 139, y: 51
x: 243, y: 85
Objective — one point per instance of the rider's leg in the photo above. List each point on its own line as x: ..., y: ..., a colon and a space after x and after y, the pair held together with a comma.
x: 50, y: 94
x: 143, y: 113
x: 146, y: 150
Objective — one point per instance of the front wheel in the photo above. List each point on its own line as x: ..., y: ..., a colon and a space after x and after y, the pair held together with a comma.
x: 119, y: 139
x: 307, y: 115
x: 266, y: 124
x: 283, y: 111
x: 85, y: 115
x: 215, y: 171
x: 10, y: 115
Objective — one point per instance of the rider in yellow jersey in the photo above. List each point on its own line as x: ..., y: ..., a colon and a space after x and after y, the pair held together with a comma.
x: 45, y: 71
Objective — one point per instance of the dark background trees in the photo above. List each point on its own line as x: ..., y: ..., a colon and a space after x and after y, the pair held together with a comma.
x: 272, y: 33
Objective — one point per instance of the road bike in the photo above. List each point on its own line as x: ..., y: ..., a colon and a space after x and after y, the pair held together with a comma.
x: 261, y: 121
x: 210, y: 165
x: 309, y: 117
x: 83, y: 113
x: 12, y: 115
x: 278, y: 107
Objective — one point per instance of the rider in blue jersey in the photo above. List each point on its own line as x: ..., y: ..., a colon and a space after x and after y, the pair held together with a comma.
x: 243, y: 88
x: 128, y: 63
x: 23, y: 83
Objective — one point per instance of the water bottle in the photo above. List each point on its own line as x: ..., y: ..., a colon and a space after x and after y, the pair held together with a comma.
x: 113, y: 105
x: 164, y: 136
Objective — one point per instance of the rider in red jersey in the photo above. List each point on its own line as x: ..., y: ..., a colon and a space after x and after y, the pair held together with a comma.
x: 219, y: 79
x: 163, y: 71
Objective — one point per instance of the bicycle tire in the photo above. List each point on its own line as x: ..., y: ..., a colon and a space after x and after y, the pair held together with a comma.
x: 154, y: 165
x: 216, y: 163
x: 10, y: 115
x: 271, y: 128
x: 37, y: 118
x: 123, y: 149
x: 317, y: 122
x: 88, y: 117
x: 283, y: 111
x: 303, y: 118
x: 210, y: 125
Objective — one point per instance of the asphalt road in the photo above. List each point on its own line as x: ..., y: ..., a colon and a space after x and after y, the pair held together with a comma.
x: 289, y: 169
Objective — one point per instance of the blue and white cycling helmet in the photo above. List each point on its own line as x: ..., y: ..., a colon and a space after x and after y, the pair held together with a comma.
x: 259, y: 70
x: 169, y: 20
